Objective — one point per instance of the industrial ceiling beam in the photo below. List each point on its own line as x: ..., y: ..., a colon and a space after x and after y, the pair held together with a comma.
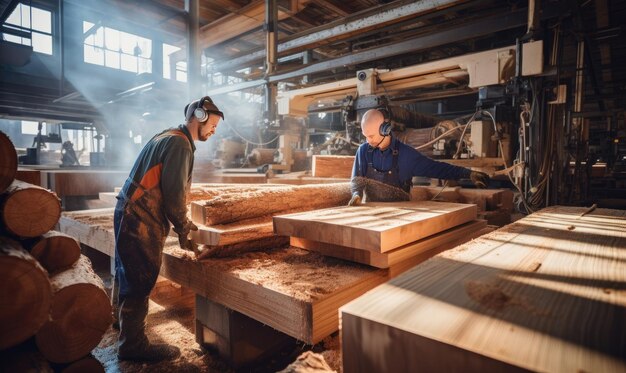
x: 356, y: 23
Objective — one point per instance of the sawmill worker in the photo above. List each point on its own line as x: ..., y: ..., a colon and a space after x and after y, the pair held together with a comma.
x: 152, y: 199
x: 384, y: 166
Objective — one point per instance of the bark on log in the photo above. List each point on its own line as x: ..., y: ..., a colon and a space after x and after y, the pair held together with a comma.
x: 28, y: 210
x: 8, y: 162
x: 25, y: 294
x: 80, y: 314
x: 55, y: 251
x: 233, y: 207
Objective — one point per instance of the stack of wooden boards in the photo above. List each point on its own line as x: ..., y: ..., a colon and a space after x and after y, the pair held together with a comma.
x: 382, y: 234
x: 47, y: 289
x: 545, y: 293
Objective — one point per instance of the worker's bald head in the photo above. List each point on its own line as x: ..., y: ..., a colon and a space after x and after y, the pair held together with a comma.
x: 371, y: 120
x: 370, y: 126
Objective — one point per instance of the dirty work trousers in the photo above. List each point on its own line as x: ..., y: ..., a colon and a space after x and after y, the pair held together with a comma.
x: 139, y: 241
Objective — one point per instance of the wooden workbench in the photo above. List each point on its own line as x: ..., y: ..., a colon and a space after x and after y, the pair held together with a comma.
x: 293, y: 290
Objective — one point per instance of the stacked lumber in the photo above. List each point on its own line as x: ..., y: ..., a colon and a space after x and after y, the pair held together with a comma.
x: 542, y: 294
x: 233, y: 221
x: 47, y: 289
x: 381, y: 234
x: 334, y: 166
x: 494, y: 205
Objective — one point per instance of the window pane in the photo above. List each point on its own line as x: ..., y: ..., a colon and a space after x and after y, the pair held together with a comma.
x: 99, y: 37
x: 42, y: 43
x: 30, y: 127
x: 146, y: 47
x: 112, y: 59
x: 145, y: 65
x: 129, y: 63
x: 112, y: 39
x: 94, y: 55
x: 128, y: 43
x: 87, y: 26
x: 12, y: 38
x: 25, y: 15
x: 14, y: 18
x: 42, y: 20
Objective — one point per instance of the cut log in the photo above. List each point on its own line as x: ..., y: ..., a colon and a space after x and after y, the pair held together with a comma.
x: 87, y: 364
x: 8, y: 162
x: 28, y: 210
x: 24, y: 359
x: 80, y: 314
x: 54, y: 250
x: 25, y: 294
x: 332, y: 166
x: 234, y: 207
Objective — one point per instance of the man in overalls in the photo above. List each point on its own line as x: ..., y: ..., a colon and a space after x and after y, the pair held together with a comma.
x: 384, y: 166
x: 152, y: 199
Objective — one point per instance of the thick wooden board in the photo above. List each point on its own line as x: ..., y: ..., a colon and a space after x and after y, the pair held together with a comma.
x: 440, y: 241
x: 379, y: 227
x: 93, y: 228
x: 29, y: 176
x: 295, y: 291
x: 337, y: 166
x: 545, y: 293
x: 82, y: 182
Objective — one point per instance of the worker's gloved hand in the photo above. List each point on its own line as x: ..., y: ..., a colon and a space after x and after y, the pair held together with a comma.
x: 183, y: 236
x: 355, y: 200
x: 480, y: 179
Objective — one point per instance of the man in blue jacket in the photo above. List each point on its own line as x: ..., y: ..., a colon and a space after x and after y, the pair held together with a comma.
x: 153, y: 199
x: 384, y: 166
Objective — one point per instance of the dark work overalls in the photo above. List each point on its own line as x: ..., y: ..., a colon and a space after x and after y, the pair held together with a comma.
x: 140, y: 227
x: 374, y: 191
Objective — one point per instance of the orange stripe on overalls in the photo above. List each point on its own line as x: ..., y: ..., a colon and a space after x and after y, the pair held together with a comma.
x: 152, y: 177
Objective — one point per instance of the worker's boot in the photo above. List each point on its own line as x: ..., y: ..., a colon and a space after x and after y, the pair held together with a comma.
x: 133, y: 343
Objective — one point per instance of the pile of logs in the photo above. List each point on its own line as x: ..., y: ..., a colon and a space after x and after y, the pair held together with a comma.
x: 53, y: 307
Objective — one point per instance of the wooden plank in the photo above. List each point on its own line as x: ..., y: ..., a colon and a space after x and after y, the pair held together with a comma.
x: 304, y: 180
x: 93, y: 228
x: 82, y: 182
x: 337, y: 166
x: 441, y: 241
x: 545, y: 293
x: 29, y: 176
x: 378, y: 227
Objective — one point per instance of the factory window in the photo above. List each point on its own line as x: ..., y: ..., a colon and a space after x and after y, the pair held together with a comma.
x: 116, y: 49
x: 180, y: 67
x: 32, y: 128
x: 36, y: 21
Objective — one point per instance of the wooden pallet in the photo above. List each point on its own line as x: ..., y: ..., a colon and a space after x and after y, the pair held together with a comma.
x: 545, y: 293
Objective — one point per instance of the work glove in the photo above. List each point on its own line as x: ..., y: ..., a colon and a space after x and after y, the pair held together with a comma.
x: 480, y: 179
x: 183, y: 237
x: 355, y: 200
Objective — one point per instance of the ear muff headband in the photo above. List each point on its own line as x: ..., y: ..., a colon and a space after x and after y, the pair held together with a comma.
x: 385, y: 127
x: 200, y: 113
